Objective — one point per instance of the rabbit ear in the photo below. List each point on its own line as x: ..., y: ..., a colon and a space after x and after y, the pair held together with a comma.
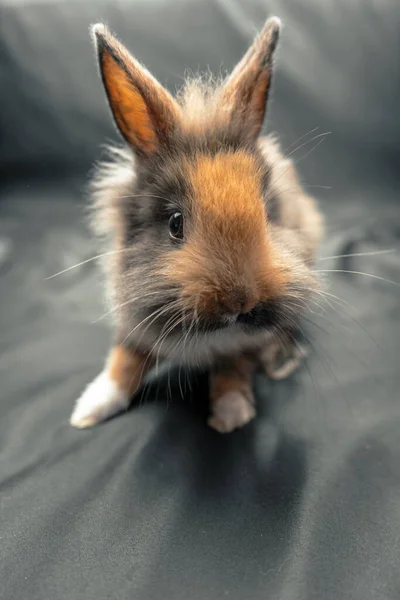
x: 145, y: 113
x: 246, y: 89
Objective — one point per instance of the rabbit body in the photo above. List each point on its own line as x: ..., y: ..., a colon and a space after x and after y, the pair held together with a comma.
x: 210, y: 238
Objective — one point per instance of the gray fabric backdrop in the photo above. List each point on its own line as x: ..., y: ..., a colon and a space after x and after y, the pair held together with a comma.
x: 305, y: 502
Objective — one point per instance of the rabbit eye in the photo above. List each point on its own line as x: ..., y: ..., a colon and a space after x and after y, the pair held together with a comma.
x: 176, y: 226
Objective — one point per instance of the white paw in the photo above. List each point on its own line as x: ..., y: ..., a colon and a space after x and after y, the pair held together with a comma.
x: 231, y: 411
x: 100, y: 400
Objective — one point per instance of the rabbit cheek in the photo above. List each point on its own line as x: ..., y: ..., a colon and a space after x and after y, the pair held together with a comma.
x: 186, y: 271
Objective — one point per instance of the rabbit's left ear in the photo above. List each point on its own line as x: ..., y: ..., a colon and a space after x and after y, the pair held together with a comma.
x: 145, y: 113
x: 245, y: 91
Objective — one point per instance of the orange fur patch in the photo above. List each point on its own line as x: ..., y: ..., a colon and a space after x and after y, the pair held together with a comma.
x: 127, y: 368
x: 128, y: 106
x: 227, y: 190
x: 227, y: 264
x: 235, y: 375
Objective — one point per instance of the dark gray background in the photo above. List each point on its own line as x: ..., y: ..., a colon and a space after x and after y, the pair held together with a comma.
x: 305, y: 502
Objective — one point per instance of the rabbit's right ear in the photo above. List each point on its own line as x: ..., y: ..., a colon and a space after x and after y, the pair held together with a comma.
x: 145, y: 113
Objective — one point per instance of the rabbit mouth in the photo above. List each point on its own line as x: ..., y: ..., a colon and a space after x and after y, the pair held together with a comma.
x: 263, y: 316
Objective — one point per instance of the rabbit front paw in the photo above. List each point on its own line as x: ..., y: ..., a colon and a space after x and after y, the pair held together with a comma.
x: 101, y: 400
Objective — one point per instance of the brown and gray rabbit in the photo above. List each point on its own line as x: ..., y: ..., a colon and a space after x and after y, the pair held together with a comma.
x: 210, y: 236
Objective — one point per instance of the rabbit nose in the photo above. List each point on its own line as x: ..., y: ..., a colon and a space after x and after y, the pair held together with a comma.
x: 238, y: 302
x: 249, y: 304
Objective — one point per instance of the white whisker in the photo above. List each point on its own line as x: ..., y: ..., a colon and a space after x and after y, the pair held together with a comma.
x: 372, y: 253
x: 315, y: 137
x: 156, y: 313
x: 301, y: 138
x: 130, y: 301
x: 358, y: 273
x: 88, y: 260
x: 143, y: 196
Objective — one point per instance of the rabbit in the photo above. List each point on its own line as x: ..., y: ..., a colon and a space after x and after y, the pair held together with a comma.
x: 210, y: 237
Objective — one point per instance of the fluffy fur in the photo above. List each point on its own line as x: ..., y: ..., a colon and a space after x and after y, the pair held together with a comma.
x: 242, y: 274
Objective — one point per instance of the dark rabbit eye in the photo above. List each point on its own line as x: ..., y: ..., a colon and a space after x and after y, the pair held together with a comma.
x: 176, y: 226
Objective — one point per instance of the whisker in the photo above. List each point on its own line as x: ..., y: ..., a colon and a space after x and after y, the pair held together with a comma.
x: 321, y: 135
x: 301, y: 138
x: 179, y: 378
x: 143, y: 196
x: 326, y: 318
x: 356, y: 321
x: 162, y: 337
x: 358, y: 273
x: 323, y: 293
x: 157, y: 313
x: 169, y: 306
x: 176, y: 320
x: 171, y: 323
x: 157, y: 341
x: 169, y: 391
x: 312, y: 185
x: 315, y: 137
x: 146, y: 385
x: 313, y: 148
x: 372, y: 253
x: 130, y: 301
x: 277, y: 193
x: 185, y: 339
x: 88, y: 260
x: 293, y: 144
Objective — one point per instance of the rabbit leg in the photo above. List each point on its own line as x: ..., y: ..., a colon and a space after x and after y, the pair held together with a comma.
x: 281, y: 357
x: 231, y: 395
x: 111, y: 391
